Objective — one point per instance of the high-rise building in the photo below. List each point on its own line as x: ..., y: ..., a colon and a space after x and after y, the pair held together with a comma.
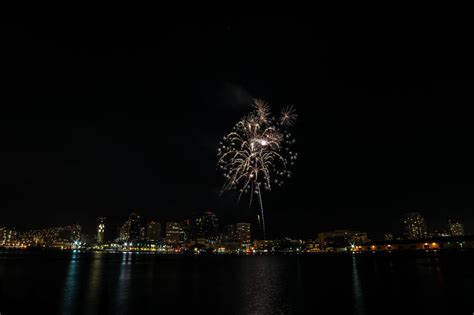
x: 415, y: 225
x: 187, y: 230
x: 135, y: 232
x: 7, y: 236
x: 455, y: 228
x: 76, y: 234
x: 206, y: 226
x: 229, y: 233
x: 174, y: 234
x: 124, y: 233
x: 3, y: 232
x: 153, y: 231
x: 243, y: 233
x: 142, y: 233
x: 100, y: 230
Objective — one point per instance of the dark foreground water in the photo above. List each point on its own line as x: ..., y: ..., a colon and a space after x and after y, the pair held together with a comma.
x: 104, y: 283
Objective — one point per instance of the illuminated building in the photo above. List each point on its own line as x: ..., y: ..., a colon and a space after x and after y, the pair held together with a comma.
x: 288, y: 244
x: 341, y: 240
x: 229, y: 233
x: 206, y: 226
x: 57, y: 237
x: 435, y: 243
x: 124, y: 233
x: 7, y: 236
x: 311, y: 246
x: 267, y: 245
x: 439, y: 233
x: 388, y: 236
x: 415, y: 226
x: 153, y: 231
x: 187, y: 230
x: 76, y: 233
x: 174, y: 234
x: 142, y: 233
x: 455, y: 227
x: 135, y: 232
x: 2, y: 235
x: 100, y: 230
x: 243, y: 233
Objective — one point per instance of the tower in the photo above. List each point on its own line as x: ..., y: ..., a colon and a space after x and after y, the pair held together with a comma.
x: 100, y: 230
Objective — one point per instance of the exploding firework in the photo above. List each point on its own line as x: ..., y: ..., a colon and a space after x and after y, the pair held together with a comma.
x: 257, y: 152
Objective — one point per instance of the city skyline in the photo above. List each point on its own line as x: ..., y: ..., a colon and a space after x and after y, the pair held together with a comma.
x: 203, y: 234
x: 84, y: 138
x: 206, y: 223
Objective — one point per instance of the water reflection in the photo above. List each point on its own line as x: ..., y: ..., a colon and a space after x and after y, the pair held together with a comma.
x: 438, y: 272
x: 123, y: 286
x: 71, y: 284
x: 430, y: 267
x: 95, y: 283
x: 106, y: 283
x: 358, y: 295
x: 261, y: 286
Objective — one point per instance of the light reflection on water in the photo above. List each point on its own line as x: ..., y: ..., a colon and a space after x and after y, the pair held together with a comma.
x: 123, y: 286
x: 358, y: 293
x: 71, y: 285
x: 94, y: 283
x: 261, y: 285
x: 130, y: 283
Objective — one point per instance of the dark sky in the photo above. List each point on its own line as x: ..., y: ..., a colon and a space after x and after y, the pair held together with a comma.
x: 99, y: 119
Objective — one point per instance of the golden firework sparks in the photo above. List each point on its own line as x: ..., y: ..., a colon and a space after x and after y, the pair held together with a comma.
x: 257, y: 150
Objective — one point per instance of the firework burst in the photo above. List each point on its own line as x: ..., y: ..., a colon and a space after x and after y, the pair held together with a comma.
x: 257, y: 152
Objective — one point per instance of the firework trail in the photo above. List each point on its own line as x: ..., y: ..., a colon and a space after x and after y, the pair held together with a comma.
x: 257, y: 152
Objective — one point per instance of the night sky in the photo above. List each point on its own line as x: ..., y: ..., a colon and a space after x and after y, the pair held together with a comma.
x: 101, y: 119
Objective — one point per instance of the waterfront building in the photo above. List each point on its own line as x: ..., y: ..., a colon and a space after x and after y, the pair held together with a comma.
x: 2, y: 235
x: 174, y: 234
x: 435, y: 243
x: 311, y: 246
x: 206, y: 226
x: 288, y: 244
x: 76, y: 234
x: 243, y: 233
x: 100, y: 230
x: 135, y: 231
x: 153, y: 231
x: 7, y: 236
x: 341, y: 240
x: 455, y: 227
x: 267, y: 245
x: 124, y: 233
x: 415, y: 226
x: 229, y: 233
x: 187, y: 230
x: 142, y: 233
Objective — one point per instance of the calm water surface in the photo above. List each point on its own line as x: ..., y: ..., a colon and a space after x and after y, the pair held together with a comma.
x: 132, y: 283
